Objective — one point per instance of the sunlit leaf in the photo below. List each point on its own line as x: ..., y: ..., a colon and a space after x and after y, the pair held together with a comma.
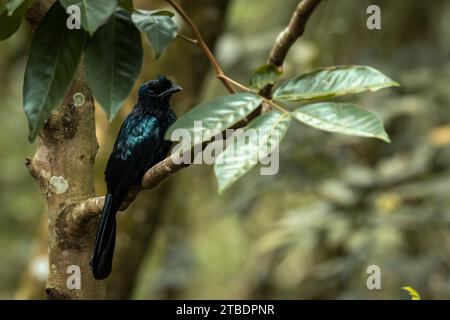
x: 94, y: 13
x: 343, y: 118
x: 264, y: 75
x: 257, y: 141
x: 215, y: 116
x: 413, y: 293
x: 158, y: 26
x: 113, y: 61
x: 54, y: 56
x: 332, y: 82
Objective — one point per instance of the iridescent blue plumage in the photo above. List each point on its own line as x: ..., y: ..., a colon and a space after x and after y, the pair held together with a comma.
x: 139, y: 146
x: 135, y: 131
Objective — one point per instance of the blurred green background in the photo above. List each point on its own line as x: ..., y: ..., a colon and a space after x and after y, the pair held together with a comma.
x: 338, y: 204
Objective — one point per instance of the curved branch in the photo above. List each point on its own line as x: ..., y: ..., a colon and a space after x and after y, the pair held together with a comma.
x: 288, y: 36
x: 91, y: 208
x: 162, y: 170
x: 186, y: 38
x: 292, y: 32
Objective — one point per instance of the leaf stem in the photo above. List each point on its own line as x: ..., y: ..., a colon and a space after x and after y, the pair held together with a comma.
x: 190, y: 40
x: 275, y: 105
x: 247, y: 89
x: 234, y: 82
x: 202, y: 44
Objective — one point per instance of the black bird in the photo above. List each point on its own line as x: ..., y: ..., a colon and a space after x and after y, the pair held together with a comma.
x: 139, y: 146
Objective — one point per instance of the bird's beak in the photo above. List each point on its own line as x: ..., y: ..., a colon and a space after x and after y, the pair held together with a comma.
x: 170, y: 91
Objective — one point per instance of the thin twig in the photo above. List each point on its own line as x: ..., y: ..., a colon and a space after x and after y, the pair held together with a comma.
x: 186, y: 38
x: 288, y: 36
x: 202, y: 44
x: 247, y: 89
x: 234, y: 82
x: 292, y: 32
x: 275, y: 105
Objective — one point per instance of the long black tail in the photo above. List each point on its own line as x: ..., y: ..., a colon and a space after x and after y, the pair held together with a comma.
x: 101, y: 262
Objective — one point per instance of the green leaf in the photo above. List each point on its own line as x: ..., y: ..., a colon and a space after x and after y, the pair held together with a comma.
x: 264, y: 75
x: 113, y: 60
x: 94, y: 13
x: 215, y: 116
x: 332, y: 82
x: 54, y: 56
x: 127, y: 5
x: 10, y: 23
x: 158, y: 26
x: 12, y: 5
x: 343, y: 118
x: 242, y: 154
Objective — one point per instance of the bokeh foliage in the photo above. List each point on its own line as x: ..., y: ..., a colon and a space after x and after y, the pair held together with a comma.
x: 338, y: 204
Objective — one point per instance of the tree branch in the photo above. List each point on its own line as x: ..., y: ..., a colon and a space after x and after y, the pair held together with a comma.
x: 186, y: 38
x: 292, y: 32
x: 65, y: 146
x: 288, y: 36
x: 162, y: 170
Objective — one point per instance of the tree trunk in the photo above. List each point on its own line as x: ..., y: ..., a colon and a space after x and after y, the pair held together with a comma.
x: 63, y: 167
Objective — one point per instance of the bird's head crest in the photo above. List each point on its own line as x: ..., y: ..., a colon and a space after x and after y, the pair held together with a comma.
x: 160, y: 88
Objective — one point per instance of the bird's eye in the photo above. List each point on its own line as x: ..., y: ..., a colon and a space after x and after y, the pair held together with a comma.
x: 152, y: 92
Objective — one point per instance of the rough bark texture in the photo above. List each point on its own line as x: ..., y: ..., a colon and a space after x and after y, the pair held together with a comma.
x: 63, y: 167
x: 286, y: 39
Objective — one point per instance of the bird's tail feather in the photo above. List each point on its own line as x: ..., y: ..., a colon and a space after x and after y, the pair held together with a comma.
x: 101, y: 262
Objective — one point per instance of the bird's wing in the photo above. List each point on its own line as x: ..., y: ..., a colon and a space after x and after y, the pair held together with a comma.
x: 139, y: 140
